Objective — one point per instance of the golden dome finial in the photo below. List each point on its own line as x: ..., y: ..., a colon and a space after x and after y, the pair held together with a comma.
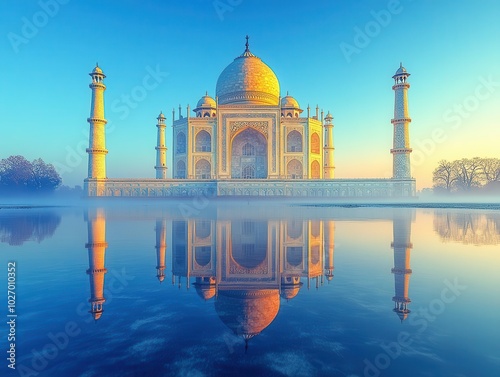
x: 246, y: 44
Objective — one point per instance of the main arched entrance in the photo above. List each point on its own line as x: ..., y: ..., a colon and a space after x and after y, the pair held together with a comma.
x: 249, y: 155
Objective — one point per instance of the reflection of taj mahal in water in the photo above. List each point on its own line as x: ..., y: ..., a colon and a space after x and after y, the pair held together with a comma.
x: 247, y: 266
x: 249, y: 141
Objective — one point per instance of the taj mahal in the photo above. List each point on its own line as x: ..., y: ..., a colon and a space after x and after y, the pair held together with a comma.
x: 248, y: 141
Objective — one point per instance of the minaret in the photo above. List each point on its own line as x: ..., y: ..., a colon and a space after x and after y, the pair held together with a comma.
x: 328, y: 149
x: 330, y: 248
x: 97, y: 138
x: 161, y: 246
x: 402, y: 247
x: 161, y: 149
x: 96, y: 222
x: 401, y: 143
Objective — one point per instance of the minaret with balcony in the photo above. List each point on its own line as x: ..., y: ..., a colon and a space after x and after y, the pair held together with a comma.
x: 328, y: 148
x: 97, y: 136
x: 161, y: 149
x: 401, y: 140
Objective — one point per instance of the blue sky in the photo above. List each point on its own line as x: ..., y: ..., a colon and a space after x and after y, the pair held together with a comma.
x: 316, y: 49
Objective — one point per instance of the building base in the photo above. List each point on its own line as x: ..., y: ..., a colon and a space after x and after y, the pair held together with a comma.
x: 335, y: 188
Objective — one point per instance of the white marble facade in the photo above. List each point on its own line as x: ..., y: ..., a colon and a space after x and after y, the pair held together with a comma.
x: 248, y: 141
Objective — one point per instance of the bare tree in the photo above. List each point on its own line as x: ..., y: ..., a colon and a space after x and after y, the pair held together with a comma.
x: 469, y: 173
x: 490, y: 169
x: 445, y: 175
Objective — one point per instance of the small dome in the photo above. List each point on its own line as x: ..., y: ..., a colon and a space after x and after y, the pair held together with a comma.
x: 290, y: 291
x: 205, y: 291
x: 161, y: 116
x: 206, y: 101
x: 96, y: 315
x: 329, y: 116
x: 402, y: 314
x: 401, y: 71
x: 161, y: 278
x: 288, y: 102
x: 97, y: 69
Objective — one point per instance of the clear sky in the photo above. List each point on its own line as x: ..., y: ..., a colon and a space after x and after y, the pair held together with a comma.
x: 339, y: 54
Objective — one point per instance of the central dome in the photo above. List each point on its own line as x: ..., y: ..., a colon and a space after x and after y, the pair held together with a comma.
x: 248, y: 312
x: 248, y: 80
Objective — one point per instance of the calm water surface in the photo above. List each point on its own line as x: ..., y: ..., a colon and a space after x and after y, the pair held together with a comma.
x: 247, y: 289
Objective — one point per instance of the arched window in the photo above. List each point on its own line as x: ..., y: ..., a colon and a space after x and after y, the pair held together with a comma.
x: 202, y: 169
x: 294, y: 142
x: 249, y: 147
x: 181, y: 169
x: 203, y: 142
x: 202, y: 229
x: 294, y: 229
x: 248, y: 172
x: 248, y: 227
x: 315, y: 145
x: 315, y: 170
x: 294, y: 169
x: 294, y: 255
x: 180, y: 146
x: 248, y: 150
x: 202, y: 255
x: 315, y: 228
x: 315, y: 255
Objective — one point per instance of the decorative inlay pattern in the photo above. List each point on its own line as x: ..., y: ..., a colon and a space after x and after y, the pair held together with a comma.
x: 261, y: 126
x: 206, y: 156
x: 226, y: 117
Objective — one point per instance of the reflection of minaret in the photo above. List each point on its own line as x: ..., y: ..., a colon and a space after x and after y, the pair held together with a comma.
x: 329, y: 249
x: 401, y: 270
x: 161, y: 246
x: 97, y: 245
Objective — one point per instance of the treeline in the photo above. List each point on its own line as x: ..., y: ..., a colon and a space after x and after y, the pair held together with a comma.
x: 468, y: 175
x: 20, y: 176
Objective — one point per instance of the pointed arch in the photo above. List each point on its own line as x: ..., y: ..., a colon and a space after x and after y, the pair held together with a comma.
x: 180, y: 143
x: 249, y: 155
x: 180, y: 169
x: 315, y: 170
x: 203, y: 169
x: 203, y: 141
x: 315, y: 143
x: 294, y: 141
x: 294, y: 169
